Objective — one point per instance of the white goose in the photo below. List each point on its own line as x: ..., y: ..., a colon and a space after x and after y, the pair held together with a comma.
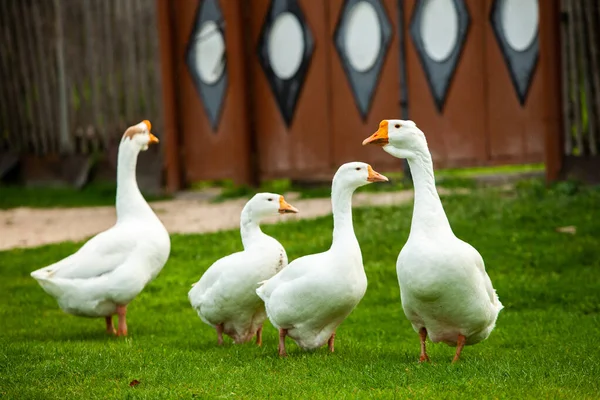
x: 225, y: 297
x: 310, y: 298
x: 445, y: 290
x: 113, y: 267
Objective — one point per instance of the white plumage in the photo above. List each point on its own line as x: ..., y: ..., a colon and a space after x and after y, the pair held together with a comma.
x: 225, y: 297
x: 113, y: 267
x: 445, y: 290
x: 310, y: 298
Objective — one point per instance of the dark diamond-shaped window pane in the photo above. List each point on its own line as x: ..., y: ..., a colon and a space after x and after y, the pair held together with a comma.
x: 206, y: 60
x: 285, y: 73
x: 363, y: 65
x: 520, y: 60
x: 440, y: 67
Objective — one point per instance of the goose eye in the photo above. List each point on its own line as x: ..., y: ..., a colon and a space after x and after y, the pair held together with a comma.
x: 270, y: 199
x: 397, y: 126
x: 358, y: 168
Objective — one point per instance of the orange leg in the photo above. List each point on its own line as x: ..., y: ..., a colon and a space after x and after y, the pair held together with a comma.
x: 282, y: 335
x: 331, y: 342
x: 460, y: 343
x: 259, y: 336
x: 423, y: 336
x: 220, y: 334
x: 122, y: 325
x: 110, y: 328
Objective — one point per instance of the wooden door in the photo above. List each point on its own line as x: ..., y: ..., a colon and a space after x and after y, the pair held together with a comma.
x: 479, y: 97
x: 446, y: 81
x: 364, y: 77
x: 290, y: 88
x: 515, y: 93
x: 210, y: 90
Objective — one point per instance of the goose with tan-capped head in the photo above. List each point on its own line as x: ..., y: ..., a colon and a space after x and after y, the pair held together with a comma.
x: 113, y: 267
x: 445, y: 290
x: 310, y: 298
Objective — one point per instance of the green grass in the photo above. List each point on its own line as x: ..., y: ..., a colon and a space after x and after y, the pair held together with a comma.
x: 449, y: 178
x: 545, y: 344
x: 482, y: 171
x: 95, y: 194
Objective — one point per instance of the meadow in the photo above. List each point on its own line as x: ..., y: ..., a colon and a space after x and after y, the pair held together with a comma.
x: 545, y: 345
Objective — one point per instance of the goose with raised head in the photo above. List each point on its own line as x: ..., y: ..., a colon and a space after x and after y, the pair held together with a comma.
x: 445, y: 290
x: 225, y: 296
x: 113, y: 267
x: 310, y: 298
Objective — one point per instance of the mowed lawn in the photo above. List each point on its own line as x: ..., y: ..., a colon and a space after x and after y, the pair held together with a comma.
x: 546, y: 343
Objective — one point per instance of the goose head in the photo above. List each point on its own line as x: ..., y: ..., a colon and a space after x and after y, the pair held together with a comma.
x: 357, y: 174
x: 138, y: 137
x: 399, y: 138
x: 267, y: 204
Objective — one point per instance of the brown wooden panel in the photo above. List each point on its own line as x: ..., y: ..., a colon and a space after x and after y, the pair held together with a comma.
x: 171, y: 143
x: 550, y: 70
x: 348, y: 129
x: 456, y: 136
x: 223, y: 154
x: 515, y: 131
x: 305, y: 146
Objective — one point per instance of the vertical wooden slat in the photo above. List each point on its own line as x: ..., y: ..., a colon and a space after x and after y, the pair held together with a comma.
x: 154, y: 71
x: 6, y: 130
x: 169, y: 97
x: 550, y: 46
x: 25, y: 77
x: 574, y: 73
x: 112, y: 103
x: 582, y: 57
x: 92, y: 124
x: 10, y: 80
x: 47, y: 16
x: 79, y: 91
x: 592, y: 32
x: 568, y: 120
x: 99, y: 88
x: 38, y: 111
x: 129, y: 87
x: 43, y: 62
x: 66, y: 144
x: 141, y: 40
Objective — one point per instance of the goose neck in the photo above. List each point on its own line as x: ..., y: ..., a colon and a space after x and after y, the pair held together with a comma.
x: 428, y: 214
x: 249, y: 226
x: 130, y: 201
x: 341, y: 203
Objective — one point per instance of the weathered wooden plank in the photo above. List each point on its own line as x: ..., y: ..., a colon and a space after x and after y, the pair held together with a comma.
x: 92, y: 123
x: 574, y: 74
x: 66, y: 142
x: 130, y: 86
x: 592, y: 36
x: 566, y: 80
x: 14, y: 113
x: 582, y: 56
x: 47, y: 127
x: 25, y: 73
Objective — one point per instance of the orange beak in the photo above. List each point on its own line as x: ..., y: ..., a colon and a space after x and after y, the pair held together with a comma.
x: 380, y: 137
x: 285, y: 207
x: 153, y: 139
x: 375, y: 176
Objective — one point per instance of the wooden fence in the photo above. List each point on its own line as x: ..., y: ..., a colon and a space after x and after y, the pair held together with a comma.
x: 580, y: 34
x: 574, y: 152
x: 75, y: 73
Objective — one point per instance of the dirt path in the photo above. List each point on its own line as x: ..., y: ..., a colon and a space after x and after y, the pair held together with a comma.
x: 28, y: 227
